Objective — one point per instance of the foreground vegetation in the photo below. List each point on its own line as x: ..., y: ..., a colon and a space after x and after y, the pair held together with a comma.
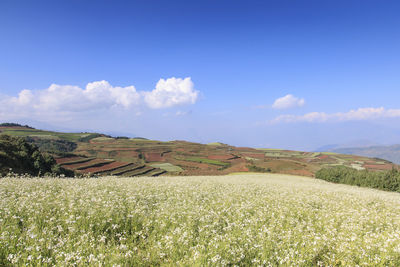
x: 383, y: 180
x: 228, y: 220
x: 20, y: 157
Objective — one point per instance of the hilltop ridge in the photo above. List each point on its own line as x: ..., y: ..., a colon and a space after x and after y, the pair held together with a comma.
x: 100, y: 154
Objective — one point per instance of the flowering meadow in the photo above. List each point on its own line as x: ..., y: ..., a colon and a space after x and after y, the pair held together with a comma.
x: 260, y: 220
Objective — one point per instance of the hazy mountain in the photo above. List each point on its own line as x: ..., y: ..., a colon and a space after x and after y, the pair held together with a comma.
x: 359, y: 143
x: 391, y: 153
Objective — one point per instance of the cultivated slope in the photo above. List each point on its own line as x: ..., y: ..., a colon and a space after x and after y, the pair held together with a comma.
x: 100, y: 154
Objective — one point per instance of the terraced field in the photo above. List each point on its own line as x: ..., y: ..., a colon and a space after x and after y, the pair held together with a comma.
x: 103, y: 155
x: 107, y: 167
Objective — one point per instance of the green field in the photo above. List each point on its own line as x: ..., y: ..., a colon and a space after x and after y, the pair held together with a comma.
x: 241, y: 220
x: 215, y: 144
x: 73, y: 137
x: 167, y: 167
x: 207, y: 161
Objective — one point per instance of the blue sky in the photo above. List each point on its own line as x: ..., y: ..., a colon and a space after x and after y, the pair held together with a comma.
x: 330, y: 57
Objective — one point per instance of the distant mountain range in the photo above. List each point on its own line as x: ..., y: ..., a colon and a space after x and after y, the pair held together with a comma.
x: 391, y: 153
x: 359, y: 143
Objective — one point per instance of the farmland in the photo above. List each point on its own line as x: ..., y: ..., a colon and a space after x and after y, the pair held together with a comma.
x: 260, y: 219
x: 99, y: 154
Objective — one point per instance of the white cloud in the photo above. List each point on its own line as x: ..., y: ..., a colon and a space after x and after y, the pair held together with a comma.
x: 68, y: 98
x: 288, y: 101
x: 66, y: 102
x: 171, y: 92
x: 352, y: 115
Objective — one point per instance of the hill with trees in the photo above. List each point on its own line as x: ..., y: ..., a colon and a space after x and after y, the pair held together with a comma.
x: 99, y: 154
x: 383, y: 180
x: 19, y: 156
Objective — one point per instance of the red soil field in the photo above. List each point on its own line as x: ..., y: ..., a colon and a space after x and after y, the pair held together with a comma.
x: 127, y: 154
x: 107, y: 167
x: 378, y: 167
x: 67, y: 159
x: 109, y: 148
x: 78, y: 165
x: 221, y: 157
x: 284, y: 165
x: 241, y: 167
x: 153, y: 156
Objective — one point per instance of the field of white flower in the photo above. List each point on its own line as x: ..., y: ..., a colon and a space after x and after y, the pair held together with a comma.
x: 264, y: 220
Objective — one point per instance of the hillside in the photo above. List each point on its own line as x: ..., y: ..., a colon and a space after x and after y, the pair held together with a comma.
x: 100, y: 154
x: 391, y: 153
x: 20, y: 157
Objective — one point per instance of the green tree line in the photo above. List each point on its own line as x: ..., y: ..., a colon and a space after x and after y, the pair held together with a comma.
x: 11, y: 124
x: 20, y: 157
x: 383, y: 180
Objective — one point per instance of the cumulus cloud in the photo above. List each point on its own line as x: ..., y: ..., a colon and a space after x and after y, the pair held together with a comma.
x: 68, y: 98
x: 352, y: 115
x: 63, y: 100
x: 288, y: 101
x: 171, y: 92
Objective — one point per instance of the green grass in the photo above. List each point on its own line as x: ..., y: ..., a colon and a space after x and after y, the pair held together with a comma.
x: 242, y: 220
x: 156, y: 172
x: 329, y: 153
x: 276, y: 154
x: 167, y: 167
x: 215, y: 144
x: 102, y: 139
x: 250, y: 158
x: 141, y: 140
x: 44, y: 136
x: 73, y: 137
x: 207, y: 161
x: 315, y: 154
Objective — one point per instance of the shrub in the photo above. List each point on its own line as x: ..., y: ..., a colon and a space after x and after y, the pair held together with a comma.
x: 52, y: 145
x: 254, y: 168
x: 384, y: 180
x: 19, y: 156
x: 11, y: 124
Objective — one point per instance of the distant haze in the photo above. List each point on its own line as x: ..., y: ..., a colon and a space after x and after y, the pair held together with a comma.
x: 391, y: 153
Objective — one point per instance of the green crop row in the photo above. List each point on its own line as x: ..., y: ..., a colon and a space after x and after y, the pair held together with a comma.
x: 207, y: 161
